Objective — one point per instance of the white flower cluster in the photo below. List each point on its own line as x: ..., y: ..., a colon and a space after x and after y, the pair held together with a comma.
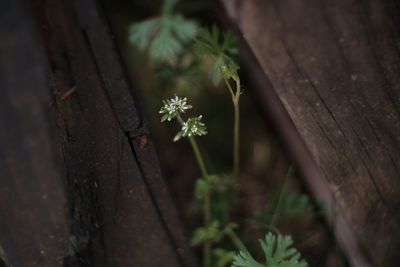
x: 172, y: 107
x: 192, y: 127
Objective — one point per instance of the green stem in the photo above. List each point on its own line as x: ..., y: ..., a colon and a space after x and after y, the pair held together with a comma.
x: 229, y: 88
x: 196, y: 151
x: 206, y: 203
x: 236, y: 240
x: 207, y: 246
x: 207, y: 253
x: 278, y: 203
x: 236, y: 140
x: 199, y: 158
x: 236, y: 127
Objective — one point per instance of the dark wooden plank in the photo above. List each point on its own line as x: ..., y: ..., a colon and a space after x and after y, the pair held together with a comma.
x: 294, y: 144
x: 33, y: 214
x: 78, y: 187
x: 123, y: 100
x: 117, y: 220
x: 334, y: 66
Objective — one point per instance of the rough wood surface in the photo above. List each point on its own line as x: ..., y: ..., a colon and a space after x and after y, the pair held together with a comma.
x: 305, y: 164
x: 33, y: 210
x: 90, y: 192
x: 335, y: 66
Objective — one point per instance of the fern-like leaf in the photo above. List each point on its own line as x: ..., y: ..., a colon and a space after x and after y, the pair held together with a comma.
x: 164, y: 36
x: 223, y: 257
x: 140, y: 33
x: 244, y: 259
x: 220, y: 47
x: 277, y: 251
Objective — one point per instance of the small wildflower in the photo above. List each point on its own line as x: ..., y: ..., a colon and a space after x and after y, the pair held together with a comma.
x: 192, y: 127
x: 172, y: 107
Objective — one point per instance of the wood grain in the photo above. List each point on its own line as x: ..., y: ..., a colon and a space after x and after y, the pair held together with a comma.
x: 78, y: 186
x: 33, y: 205
x: 335, y: 67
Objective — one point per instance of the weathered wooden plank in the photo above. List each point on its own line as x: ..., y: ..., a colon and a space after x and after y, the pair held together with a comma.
x: 123, y: 100
x: 33, y: 215
x: 116, y: 219
x: 89, y: 192
x: 335, y: 66
x: 294, y: 144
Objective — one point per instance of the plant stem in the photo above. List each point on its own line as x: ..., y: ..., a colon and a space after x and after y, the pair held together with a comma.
x: 236, y: 140
x: 199, y: 158
x: 278, y: 203
x: 207, y: 253
x: 206, y: 202
x: 229, y: 88
x: 236, y: 240
x: 236, y: 127
x: 207, y: 198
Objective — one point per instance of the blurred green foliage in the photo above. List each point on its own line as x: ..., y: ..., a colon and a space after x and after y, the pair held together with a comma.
x: 191, y: 66
x: 221, y: 47
x: 164, y: 36
x: 277, y: 251
x: 287, y: 205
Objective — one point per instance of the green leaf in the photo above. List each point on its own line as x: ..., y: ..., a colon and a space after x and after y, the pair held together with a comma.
x: 244, y: 259
x: 220, y: 47
x: 212, y: 179
x: 223, y: 257
x: 202, y: 234
x: 199, y: 236
x: 140, y: 33
x: 178, y: 136
x: 165, y: 46
x: 165, y: 36
x: 215, y: 73
x: 212, y: 42
x: 164, y: 117
x: 277, y: 251
x: 185, y: 30
x: 201, y: 188
x: 205, y: 184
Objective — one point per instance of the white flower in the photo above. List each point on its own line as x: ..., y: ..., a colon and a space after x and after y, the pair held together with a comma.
x: 172, y: 107
x: 180, y: 104
x: 192, y: 127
